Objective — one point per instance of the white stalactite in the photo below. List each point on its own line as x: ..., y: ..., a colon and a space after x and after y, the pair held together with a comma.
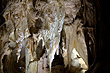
x: 54, y: 18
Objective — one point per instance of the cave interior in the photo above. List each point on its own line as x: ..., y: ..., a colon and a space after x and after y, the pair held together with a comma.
x: 54, y: 36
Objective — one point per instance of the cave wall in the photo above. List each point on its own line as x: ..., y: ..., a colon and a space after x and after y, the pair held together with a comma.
x: 100, y: 63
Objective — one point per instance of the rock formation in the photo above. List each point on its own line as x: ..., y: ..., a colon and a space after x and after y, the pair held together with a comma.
x: 57, y: 36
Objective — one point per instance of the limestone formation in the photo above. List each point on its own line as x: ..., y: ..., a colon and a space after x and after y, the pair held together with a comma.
x: 42, y: 36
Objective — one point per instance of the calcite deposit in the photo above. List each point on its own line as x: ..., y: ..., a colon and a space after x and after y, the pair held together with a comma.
x: 40, y: 32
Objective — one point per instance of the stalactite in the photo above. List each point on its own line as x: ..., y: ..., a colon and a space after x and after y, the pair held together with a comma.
x: 52, y: 33
x: 74, y: 45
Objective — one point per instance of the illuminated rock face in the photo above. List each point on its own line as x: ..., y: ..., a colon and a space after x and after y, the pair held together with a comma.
x: 32, y: 31
x: 71, y: 9
x: 39, y: 27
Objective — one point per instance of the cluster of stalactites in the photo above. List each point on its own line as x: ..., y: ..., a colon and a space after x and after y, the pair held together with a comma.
x: 54, y: 18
